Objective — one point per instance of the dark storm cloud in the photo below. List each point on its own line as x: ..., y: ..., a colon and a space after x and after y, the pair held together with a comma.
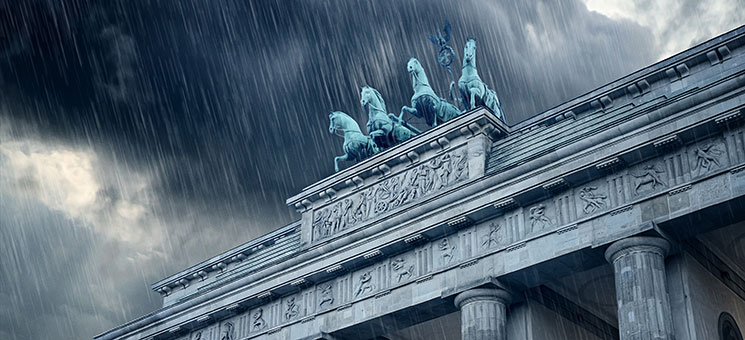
x: 219, y: 110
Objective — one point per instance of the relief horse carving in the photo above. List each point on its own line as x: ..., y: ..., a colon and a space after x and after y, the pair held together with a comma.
x: 425, y: 103
x: 384, y: 128
x: 357, y: 146
x: 472, y: 89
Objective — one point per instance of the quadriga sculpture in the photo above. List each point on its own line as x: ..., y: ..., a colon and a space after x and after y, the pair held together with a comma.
x: 425, y: 103
x: 385, y: 129
x: 357, y: 146
x: 472, y: 90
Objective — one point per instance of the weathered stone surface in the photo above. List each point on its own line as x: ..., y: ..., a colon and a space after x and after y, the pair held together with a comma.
x: 399, y: 190
x: 483, y: 314
x: 641, y: 288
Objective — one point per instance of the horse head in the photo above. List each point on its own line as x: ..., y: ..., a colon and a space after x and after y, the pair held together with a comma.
x: 341, y: 122
x: 418, y: 77
x: 414, y: 67
x: 469, y: 52
x: 373, y: 98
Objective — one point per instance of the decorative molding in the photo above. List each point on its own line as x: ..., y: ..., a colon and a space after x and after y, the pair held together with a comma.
x: 504, y: 203
x: 468, y: 263
x: 299, y: 282
x: 679, y: 190
x: 239, y: 257
x: 621, y: 210
x: 460, y: 222
x: 220, y: 266
x: 414, y: 239
x: 355, y: 181
x: 555, y: 184
x: 383, y: 293
x: 201, y: 275
x: 308, y: 319
x: 429, y: 177
x: 234, y: 307
x: 737, y: 169
x: 264, y: 295
x: 372, y: 254
x: 666, y: 141
x: 608, y: 163
x: 516, y: 246
x: 383, y: 169
x: 728, y: 117
x: 343, y: 307
x: 424, y: 278
x: 334, y: 268
x: 567, y: 229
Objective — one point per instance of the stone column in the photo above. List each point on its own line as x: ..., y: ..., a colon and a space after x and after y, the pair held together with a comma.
x: 483, y: 313
x: 641, y: 289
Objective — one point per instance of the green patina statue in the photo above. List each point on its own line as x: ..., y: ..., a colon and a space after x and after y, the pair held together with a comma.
x: 357, y: 146
x: 425, y: 103
x: 385, y: 129
x: 472, y: 90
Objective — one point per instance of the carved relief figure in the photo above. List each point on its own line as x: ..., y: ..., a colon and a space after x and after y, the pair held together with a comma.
x: 399, y: 266
x: 327, y: 295
x: 228, y: 331
x: 447, y: 250
x: 431, y: 176
x: 707, y: 157
x: 650, y: 175
x: 365, y: 284
x: 258, y: 320
x: 592, y: 201
x: 198, y: 336
x: 292, y: 309
x: 493, y: 237
x: 538, y: 218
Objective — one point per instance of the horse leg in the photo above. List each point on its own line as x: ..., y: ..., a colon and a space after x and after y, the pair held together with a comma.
x: 473, y: 98
x: 410, y: 110
x: 344, y: 157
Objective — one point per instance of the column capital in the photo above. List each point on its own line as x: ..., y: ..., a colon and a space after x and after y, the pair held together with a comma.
x: 637, y: 244
x: 482, y: 294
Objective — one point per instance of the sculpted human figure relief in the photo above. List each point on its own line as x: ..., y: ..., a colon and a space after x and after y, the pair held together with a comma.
x: 357, y: 146
x: 292, y: 309
x: 431, y: 176
x: 400, y: 268
x: 493, y: 237
x: 707, y: 157
x: 327, y: 295
x: 425, y: 103
x: 538, y: 218
x: 384, y: 128
x: 592, y: 201
x: 227, y: 333
x: 198, y: 336
x: 650, y: 175
x: 365, y: 285
x: 473, y: 91
x: 258, y: 320
x: 447, y: 250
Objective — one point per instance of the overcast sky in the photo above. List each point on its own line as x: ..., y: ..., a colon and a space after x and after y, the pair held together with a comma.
x: 140, y: 137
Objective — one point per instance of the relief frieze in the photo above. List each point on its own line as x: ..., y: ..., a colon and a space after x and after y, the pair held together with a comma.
x: 708, y: 157
x: 431, y: 176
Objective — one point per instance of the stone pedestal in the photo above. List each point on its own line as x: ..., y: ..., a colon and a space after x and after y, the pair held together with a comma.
x: 483, y: 314
x: 641, y: 289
